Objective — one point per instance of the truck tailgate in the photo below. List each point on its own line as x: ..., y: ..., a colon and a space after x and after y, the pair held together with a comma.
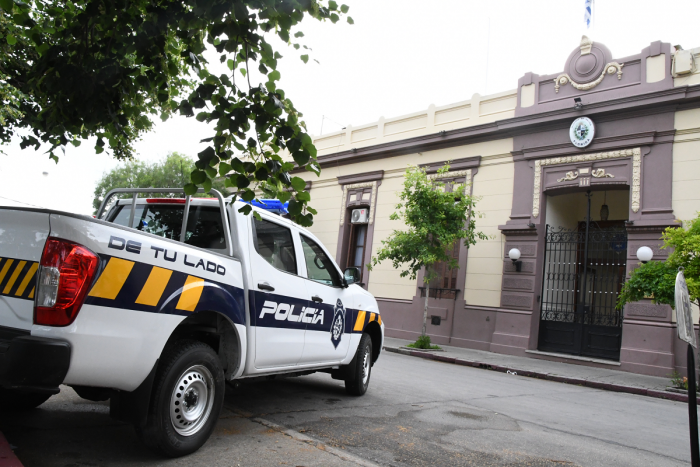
x: 23, y: 233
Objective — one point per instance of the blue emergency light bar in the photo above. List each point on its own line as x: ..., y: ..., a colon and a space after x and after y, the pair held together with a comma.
x: 272, y: 205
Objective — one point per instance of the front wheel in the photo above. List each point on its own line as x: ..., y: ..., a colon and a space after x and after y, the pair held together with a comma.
x: 187, y: 397
x: 360, y: 368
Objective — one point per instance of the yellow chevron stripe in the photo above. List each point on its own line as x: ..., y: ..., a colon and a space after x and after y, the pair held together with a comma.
x: 112, y: 279
x: 31, y: 294
x: 371, y: 317
x: 360, y: 323
x: 13, y: 277
x: 191, y: 292
x: 379, y: 320
x: 27, y: 279
x: 155, y: 286
x: 6, y: 268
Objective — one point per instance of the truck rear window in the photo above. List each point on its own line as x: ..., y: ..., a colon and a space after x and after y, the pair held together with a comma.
x: 204, y: 228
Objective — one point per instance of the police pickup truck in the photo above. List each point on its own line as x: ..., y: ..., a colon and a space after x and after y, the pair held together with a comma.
x: 158, y: 302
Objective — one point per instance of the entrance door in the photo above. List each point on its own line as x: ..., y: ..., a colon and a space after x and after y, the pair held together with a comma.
x: 584, y: 270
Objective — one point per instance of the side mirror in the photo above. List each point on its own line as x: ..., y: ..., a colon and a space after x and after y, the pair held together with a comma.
x: 352, y: 275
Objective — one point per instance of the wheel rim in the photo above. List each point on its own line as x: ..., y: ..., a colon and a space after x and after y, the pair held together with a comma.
x: 192, y: 400
x: 365, y: 367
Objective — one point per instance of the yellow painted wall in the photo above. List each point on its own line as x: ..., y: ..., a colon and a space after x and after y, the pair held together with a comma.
x: 384, y: 280
x: 686, y: 165
x: 494, y: 184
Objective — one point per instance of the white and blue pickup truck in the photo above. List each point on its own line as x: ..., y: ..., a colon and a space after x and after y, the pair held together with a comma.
x: 158, y: 302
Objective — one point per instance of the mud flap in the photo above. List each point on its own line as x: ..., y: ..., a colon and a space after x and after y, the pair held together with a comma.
x: 132, y: 407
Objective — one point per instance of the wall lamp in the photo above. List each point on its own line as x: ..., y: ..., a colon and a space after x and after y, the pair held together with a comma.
x: 578, y: 105
x: 531, y: 225
x: 514, y: 255
x: 644, y: 254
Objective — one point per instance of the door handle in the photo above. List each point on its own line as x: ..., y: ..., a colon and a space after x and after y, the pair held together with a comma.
x: 265, y: 286
x: 317, y: 299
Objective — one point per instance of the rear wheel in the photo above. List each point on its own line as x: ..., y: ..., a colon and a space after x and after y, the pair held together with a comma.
x: 360, y: 368
x: 19, y: 401
x: 187, y: 397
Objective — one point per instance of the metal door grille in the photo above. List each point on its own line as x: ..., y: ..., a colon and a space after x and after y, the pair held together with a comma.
x: 584, y: 270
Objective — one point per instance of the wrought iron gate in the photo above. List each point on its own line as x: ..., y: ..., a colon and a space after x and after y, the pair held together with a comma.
x: 584, y: 270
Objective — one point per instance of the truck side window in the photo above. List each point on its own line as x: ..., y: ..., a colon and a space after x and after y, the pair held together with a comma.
x: 274, y: 243
x: 319, y: 267
x: 204, y: 227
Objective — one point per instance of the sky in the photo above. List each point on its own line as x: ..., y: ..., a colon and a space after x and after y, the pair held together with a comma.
x: 399, y: 57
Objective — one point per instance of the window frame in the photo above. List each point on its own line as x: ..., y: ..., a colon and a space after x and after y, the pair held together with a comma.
x: 330, y: 258
x: 295, y: 245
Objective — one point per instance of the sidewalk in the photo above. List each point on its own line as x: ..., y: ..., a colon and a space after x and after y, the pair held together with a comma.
x: 599, y: 378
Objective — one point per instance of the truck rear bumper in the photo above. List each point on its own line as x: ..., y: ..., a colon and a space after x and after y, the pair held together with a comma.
x: 30, y: 363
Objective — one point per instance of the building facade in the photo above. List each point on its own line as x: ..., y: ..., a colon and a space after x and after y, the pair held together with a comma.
x: 631, y: 159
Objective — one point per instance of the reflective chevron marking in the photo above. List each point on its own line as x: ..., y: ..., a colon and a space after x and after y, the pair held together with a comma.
x: 17, y: 277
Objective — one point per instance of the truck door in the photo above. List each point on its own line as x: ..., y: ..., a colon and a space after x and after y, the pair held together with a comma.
x: 327, y: 337
x: 279, y: 295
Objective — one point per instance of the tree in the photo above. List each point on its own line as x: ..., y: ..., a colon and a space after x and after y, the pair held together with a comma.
x: 106, y: 68
x: 657, y: 279
x: 436, y: 217
x: 171, y: 172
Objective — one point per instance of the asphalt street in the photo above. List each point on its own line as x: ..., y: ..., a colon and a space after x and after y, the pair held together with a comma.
x: 416, y: 412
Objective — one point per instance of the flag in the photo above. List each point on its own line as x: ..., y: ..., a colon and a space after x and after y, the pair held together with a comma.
x: 588, y: 15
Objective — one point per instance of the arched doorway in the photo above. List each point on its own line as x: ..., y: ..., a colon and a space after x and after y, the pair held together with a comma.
x: 584, y: 269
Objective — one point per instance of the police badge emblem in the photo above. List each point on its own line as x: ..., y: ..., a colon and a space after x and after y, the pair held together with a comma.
x: 337, y: 323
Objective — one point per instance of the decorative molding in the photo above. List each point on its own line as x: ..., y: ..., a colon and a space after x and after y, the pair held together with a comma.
x: 586, y: 45
x: 361, y: 178
x: 600, y: 173
x: 573, y: 175
x: 564, y: 79
x: 373, y: 201
x: 467, y: 174
x: 457, y: 164
x: 635, y: 154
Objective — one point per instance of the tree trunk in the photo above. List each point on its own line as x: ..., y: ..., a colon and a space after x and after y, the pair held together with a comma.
x: 425, y: 307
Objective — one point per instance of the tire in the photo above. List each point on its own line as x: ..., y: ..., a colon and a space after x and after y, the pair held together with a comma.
x: 20, y: 401
x: 188, y: 393
x: 360, y: 368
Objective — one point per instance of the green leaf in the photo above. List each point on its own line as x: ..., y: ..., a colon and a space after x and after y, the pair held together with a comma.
x: 298, y: 184
x: 350, y: 20
x: 304, y: 196
x: 207, y: 185
x: 248, y: 195
x: 332, y: 5
x: 231, y: 64
x: 198, y: 177
x: 334, y: 18
x: 7, y: 5
x: 344, y: 8
x: 299, y: 34
x: 274, y: 76
x: 190, y: 189
x: 245, y: 209
x: 11, y: 39
x: 304, y: 58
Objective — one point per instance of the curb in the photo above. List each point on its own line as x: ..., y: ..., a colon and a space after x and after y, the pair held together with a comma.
x: 546, y: 376
x: 7, y: 457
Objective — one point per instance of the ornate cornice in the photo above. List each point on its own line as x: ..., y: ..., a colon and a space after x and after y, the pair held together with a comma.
x: 668, y: 100
x: 635, y: 154
x: 564, y: 79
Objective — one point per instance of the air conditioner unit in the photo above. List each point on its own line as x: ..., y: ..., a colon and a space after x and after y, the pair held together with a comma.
x: 360, y: 216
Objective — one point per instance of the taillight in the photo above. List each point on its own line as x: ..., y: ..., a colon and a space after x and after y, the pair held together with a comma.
x: 65, y: 275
